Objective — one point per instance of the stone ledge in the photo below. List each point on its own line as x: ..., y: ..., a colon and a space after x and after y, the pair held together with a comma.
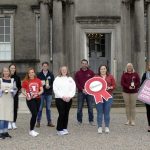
x: 8, y: 6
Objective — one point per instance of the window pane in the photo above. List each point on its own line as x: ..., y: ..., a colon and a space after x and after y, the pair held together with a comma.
x: 1, y: 30
x: 1, y: 21
x: 7, y: 30
x: 7, y: 38
x: 5, y: 51
x: 7, y: 22
x: 2, y: 38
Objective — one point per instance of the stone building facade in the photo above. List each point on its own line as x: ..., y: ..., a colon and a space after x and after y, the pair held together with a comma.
x: 112, y: 32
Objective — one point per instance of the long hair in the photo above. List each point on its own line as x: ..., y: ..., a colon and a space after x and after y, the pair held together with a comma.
x: 126, y: 68
x: 147, y: 67
x: 60, y: 74
x: 2, y: 74
x: 15, y: 68
x: 27, y: 74
x: 99, y: 73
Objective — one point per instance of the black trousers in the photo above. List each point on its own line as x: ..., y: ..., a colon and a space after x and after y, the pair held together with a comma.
x: 148, y: 113
x: 63, y: 110
x: 33, y: 106
x: 16, y: 102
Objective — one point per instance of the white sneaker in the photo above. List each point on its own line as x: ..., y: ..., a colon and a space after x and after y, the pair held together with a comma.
x: 9, y: 126
x: 60, y: 133
x: 100, y: 130
x: 14, y: 125
x: 107, y: 130
x: 65, y: 131
x: 33, y: 133
x: 127, y: 123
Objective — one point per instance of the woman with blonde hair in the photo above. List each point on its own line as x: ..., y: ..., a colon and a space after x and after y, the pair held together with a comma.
x: 32, y: 88
x: 130, y: 83
x: 145, y: 76
x: 64, y: 89
x: 7, y: 92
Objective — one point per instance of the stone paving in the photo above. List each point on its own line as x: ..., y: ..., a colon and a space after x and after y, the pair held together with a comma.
x: 84, y: 137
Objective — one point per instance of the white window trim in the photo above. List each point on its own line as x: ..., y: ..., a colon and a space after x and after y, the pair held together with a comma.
x: 10, y: 13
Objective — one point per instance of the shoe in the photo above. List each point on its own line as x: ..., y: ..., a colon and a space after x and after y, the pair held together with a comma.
x: 14, y: 125
x: 6, y: 134
x: 107, y: 130
x: 65, y: 131
x: 132, y: 123
x: 100, y: 130
x: 9, y: 126
x: 148, y: 130
x: 92, y: 123
x: 127, y: 123
x: 60, y: 133
x: 38, y: 124
x: 33, y: 133
x: 2, y: 136
x: 50, y: 124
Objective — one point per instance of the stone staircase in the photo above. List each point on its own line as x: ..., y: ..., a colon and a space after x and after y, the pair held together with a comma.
x: 118, y: 101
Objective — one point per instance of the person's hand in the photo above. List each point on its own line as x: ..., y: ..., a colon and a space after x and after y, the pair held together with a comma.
x: 47, y: 86
x: 131, y: 87
x: 34, y: 95
x: 84, y: 91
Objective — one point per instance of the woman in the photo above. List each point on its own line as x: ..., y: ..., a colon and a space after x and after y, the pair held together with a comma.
x: 145, y: 76
x: 130, y: 83
x: 7, y: 92
x: 64, y: 89
x: 32, y: 88
x: 103, y: 109
x: 12, y: 68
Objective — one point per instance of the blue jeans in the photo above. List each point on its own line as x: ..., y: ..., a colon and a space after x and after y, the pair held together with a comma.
x: 104, y: 109
x: 89, y: 100
x: 3, y: 126
x: 48, y: 100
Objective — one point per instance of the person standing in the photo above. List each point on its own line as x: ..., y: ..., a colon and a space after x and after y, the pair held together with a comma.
x: 12, y: 68
x: 130, y: 83
x: 145, y: 76
x: 7, y: 92
x: 64, y: 89
x: 103, y: 109
x: 47, y: 81
x: 32, y: 88
x: 81, y: 77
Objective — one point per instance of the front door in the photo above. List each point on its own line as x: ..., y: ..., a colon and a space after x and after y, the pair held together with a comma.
x: 99, y: 48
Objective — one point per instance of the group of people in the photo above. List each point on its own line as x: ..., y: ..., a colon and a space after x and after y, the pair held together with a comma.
x: 39, y: 89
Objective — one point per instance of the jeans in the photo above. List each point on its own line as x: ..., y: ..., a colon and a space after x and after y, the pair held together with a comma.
x: 89, y: 100
x: 48, y: 100
x: 104, y: 109
x: 63, y: 110
x: 3, y: 126
x: 33, y: 106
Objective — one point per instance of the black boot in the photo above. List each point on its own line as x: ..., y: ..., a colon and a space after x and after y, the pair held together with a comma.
x: 2, y: 136
x: 6, y: 135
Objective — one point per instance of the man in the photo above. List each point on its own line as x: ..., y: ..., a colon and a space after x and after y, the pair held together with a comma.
x: 47, y: 79
x: 81, y: 77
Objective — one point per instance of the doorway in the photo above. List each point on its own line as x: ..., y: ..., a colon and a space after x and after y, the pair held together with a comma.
x: 99, y: 50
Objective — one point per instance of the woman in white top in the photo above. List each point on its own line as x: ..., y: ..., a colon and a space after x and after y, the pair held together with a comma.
x: 64, y: 89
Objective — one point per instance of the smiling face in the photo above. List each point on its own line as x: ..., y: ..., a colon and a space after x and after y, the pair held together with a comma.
x: 12, y: 69
x: 84, y: 65
x: 6, y: 72
x: 64, y: 71
x: 129, y: 67
x: 45, y: 67
x: 103, y: 70
x: 31, y: 74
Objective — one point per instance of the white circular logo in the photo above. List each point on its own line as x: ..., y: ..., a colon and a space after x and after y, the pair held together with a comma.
x: 95, y: 86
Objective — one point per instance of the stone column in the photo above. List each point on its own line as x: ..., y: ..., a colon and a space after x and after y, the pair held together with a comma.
x: 148, y: 30
x: 139, y: 36
x: 44, y: 31
x: 58, y: 54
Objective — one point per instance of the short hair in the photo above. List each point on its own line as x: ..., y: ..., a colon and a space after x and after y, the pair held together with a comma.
x: 45, y: 62
x: 84, y: 60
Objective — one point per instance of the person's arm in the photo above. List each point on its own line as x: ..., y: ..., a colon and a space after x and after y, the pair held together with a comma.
x: 123, y: 82
x: 137, y: 83
x: 72, y: 90
x: 77, y: 82
x: 113, y: 83
x: 143, y: 78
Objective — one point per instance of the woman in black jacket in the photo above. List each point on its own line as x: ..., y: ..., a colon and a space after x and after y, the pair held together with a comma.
x: 145, y: 76
x: 12, y: 67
